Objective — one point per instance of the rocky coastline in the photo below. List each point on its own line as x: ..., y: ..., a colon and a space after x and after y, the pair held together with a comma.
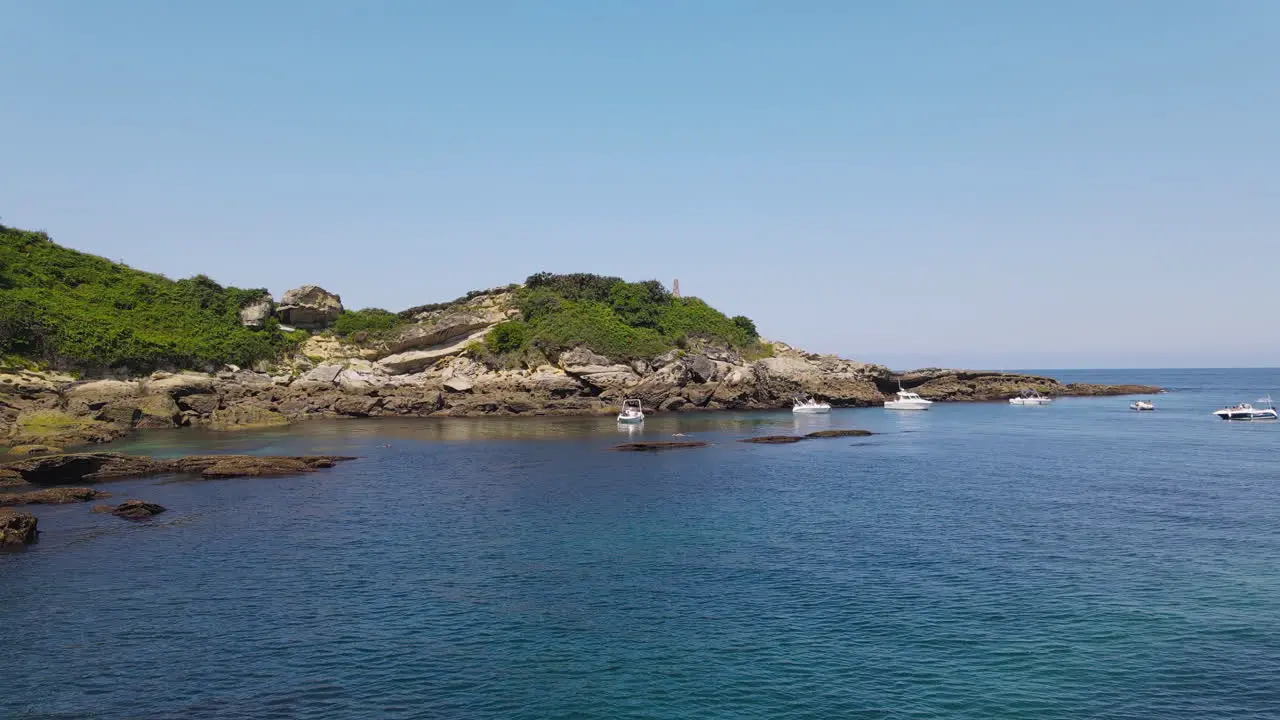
x: 436, y: 366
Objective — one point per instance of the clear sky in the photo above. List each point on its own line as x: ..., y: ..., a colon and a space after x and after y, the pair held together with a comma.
x: 994, y: 184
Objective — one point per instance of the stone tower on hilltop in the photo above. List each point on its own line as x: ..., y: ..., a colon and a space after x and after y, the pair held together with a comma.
x: 675, y: 287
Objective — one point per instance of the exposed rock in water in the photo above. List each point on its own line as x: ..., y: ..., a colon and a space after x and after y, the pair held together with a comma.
x: 85, y: 467
x: 230, y: 466
x: 135, y: 509
x: 53, y: 496
x: 773, y: 439
x: 838, y: 433
x: 980, y: 386
x: 17, y: 528
x: 309, y: 307
x: 654, y: 446
x: 97, y: 467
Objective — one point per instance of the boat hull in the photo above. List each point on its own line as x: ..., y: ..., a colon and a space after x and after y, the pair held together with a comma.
x: 907, y: 405
x: 1030, y: 401
x: 1247, y: 415
x: 811, y: 411
x: 630, y: 420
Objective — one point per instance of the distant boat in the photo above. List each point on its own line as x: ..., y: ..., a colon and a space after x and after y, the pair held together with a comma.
x: 907, y: 400
x: 809, y: 406
x: 1245, y: 411
x: 1142, y: 405
x: 632, y: 412
x: 1030, y: 397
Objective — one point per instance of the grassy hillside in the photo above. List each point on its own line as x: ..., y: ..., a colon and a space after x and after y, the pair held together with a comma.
x: 80, y: 311
x: 613, y: 317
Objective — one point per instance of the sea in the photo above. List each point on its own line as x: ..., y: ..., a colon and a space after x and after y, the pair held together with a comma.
x: 1078, y: 560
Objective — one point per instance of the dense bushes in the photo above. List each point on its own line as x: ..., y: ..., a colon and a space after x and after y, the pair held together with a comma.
x: 369, y: 320
x: 80, y: 311
x: 610, y: 316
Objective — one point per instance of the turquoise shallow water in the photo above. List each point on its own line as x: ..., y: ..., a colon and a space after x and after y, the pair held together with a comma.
x: 977, y: 561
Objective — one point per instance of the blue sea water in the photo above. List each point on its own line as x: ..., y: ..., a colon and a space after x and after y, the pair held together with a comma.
x: 977, y: 561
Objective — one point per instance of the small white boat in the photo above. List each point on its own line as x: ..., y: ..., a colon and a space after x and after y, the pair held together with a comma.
x: 809, y: 405
x: 1246, y: 411
x: 1142, y: 405
x: 1030, y: 397
x: 632, y: 412
x: 907, y: 400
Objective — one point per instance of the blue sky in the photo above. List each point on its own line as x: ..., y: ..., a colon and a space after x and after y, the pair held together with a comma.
x: 995, y: 184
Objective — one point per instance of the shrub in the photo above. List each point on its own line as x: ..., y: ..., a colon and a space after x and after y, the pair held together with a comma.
x: 80, y: 311
x: 369, y: 320
x: 507, y: 337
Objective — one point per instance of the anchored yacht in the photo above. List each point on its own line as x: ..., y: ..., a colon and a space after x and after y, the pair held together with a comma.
x: 1246, y: 411
x: 907, y: 400
x: 1030, y: 397
x: 809, y: 405
x: 631, y: 412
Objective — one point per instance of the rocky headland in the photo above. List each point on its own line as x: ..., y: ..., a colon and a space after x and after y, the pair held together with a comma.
x: 141, y: 352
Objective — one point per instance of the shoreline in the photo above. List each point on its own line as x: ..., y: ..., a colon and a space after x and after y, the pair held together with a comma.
x: 47, y: 410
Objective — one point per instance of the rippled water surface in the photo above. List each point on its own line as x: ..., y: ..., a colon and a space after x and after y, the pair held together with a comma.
x: 976, y: 561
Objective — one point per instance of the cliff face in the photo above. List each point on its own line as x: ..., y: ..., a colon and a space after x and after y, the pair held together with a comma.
x: 438, y: 365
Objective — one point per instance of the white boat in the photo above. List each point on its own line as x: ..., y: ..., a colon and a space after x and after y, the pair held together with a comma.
x: 1246, y: 411
x: 907, y: 400
x: 632, y: 412
x: 809, y: 405
x: 1030, y: 397
x: 1142, y: 405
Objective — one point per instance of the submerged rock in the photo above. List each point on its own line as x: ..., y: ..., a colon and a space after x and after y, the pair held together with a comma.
x: 17, y: 529
x: 230, y: 466
x: 773, y: 439
x: 654, y: 446
x: 838, y: 433
x: 53, y: 496
x: 97, y: 467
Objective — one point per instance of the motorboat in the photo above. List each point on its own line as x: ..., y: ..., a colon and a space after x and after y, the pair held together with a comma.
x: 1142, y: 405
x: 1246, y: 411
x: 809, y: 405
x: 632, y: 412
x: 1030, y: 397
x: 907, y: 400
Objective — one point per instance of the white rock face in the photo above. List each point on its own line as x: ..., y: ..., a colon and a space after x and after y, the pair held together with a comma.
x: 309, y: 307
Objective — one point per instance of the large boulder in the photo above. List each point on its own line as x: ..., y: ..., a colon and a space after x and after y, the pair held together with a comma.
x: 597, y: 370
x: 185, y: 383
x: 17, y: 528
x: 136, y: 509
x: 309, y: 307
x: 255, y: 313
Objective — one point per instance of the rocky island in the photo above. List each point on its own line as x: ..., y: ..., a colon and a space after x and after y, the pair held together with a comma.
x: 91, y: 350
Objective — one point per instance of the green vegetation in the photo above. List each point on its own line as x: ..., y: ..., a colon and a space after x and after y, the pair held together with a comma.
x: 74, y: 310
x: 613, y: 317
x: 369, y: 320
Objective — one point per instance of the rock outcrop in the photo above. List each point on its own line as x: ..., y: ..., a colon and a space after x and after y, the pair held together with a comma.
x: 255, y: 312
x: 132, y: 509
x: 53, y: 470
x: 52, y: 496
x: 309, y: 307
x: 17, y: 529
